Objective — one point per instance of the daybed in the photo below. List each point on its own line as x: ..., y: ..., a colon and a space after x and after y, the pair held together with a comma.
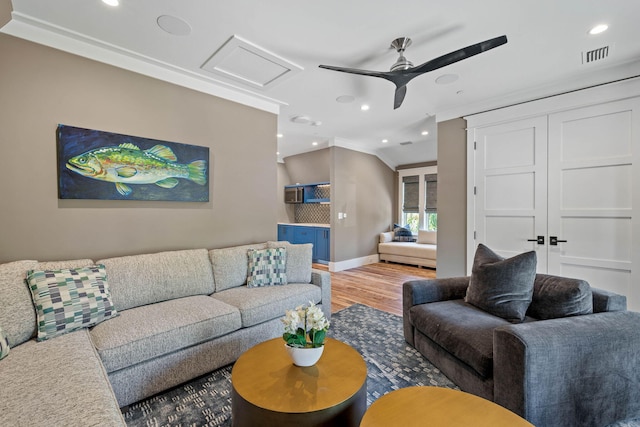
x: 422, y: 252
x: 170, y: 317
x: 574, y: 359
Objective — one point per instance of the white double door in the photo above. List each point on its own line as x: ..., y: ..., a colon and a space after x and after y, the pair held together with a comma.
x: 562, y: 184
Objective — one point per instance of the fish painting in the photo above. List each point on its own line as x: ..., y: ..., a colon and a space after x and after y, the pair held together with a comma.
x: 126, y: 164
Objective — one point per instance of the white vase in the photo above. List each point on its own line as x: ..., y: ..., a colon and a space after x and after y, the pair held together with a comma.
x: 304, y: 356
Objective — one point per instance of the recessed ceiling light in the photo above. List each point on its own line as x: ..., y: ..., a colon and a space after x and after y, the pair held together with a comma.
x: 314, y: 143
x: 279, y: 135
x: 277, y: 153
x: 384, y: 141
x: 111, y: 2
x: 173, y: 25
x: 345, y: 99
x: 364, y: 107
x: 424, y: 133
x: 446, y: 79
x: 600, y: 28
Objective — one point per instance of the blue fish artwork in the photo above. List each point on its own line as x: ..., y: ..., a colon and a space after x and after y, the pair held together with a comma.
x: 104, y: 165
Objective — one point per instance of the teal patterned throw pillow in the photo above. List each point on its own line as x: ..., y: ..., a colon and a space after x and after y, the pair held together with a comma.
x: 69, y: 299
x: 267, y: 267
x: 4, y: 345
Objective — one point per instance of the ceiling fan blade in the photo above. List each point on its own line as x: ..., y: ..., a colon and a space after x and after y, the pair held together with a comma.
x: 458, y: 55
x: 356, y: 71
x: 401, y: 91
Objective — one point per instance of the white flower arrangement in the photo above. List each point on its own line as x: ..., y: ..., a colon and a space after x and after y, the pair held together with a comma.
x: 302, y: 322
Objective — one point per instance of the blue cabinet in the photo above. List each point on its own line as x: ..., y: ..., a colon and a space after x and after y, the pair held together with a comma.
x: 321, y: 249
x: 318, y: 192
x: 302, y: 234
x: 298, y: 234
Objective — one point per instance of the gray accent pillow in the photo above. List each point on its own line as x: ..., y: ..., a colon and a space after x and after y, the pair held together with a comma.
x: 502, y: 287
x: 299, y: 260
x: 555, y: 297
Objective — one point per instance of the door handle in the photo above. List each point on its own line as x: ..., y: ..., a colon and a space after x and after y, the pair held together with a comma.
x: 539, y: 240
x: 553, y: 241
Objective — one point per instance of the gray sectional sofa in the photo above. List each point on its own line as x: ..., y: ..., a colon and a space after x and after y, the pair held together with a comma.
x: 574, y: 360
x: 180, y: 315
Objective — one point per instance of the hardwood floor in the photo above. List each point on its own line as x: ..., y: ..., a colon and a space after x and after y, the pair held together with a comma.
x: 377, y: 285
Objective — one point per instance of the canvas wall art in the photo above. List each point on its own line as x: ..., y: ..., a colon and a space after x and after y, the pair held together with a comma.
x: 94, y: 164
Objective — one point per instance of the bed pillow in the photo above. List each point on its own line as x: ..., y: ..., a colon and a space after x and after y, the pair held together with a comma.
x: 267, y: 267
x: 502, y: 287
x: 69, y: 299
x: 402, y: 234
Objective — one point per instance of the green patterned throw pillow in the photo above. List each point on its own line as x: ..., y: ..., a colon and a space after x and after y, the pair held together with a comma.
x: 4, y: 345
x: 267, y: 267
x: 70, y: 299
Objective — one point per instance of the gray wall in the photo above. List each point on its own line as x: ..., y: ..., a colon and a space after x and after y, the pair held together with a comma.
x: 307, y: 168
x: 452, y: 198
x: 363, y: 187
x: 286, y: 212
x: 42, y: 87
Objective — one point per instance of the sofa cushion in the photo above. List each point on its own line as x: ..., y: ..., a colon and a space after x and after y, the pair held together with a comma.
x: 299, y: 260
x: 555, y: 296
x: 146, y: 279
x: 461, y: 329
x: 150, y: 331
x: 57, y: 382
x: 402, y: 234
x: 259, y: 305
x: 230, y: 265
x: 17, y: 315
x: 267, y: 267
x: 69, y: 299
x: 502, y: 287
x: 410, y: 249
x: 4, y: 344
x: 430, y: 237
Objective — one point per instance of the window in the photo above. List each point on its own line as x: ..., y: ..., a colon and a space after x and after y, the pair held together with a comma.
x: 419, y: 187
x: 411, y: 202
x: 431, y: 202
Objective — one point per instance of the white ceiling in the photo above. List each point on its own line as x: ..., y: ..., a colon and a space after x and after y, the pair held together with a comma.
x: 542, y: 57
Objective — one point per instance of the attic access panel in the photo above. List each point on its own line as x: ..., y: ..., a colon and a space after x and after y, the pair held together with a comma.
x: 248, y: 63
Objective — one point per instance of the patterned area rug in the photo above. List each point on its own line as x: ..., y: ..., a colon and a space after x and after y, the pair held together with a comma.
x: 391, y: 364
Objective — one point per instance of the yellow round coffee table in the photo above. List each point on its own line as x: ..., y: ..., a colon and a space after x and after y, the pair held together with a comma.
x: 269, y: 390
x: 437, y: 406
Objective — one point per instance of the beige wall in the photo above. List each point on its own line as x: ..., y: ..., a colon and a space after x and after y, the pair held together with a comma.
x: 362, y: 186
x: 41, y: 87
x: 452, y: 198
x: 307, y: 168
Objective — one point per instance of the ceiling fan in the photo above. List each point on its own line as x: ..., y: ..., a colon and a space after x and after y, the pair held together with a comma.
x: 403, y: 71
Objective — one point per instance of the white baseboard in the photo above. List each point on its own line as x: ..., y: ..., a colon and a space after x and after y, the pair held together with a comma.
x: 353, y: 263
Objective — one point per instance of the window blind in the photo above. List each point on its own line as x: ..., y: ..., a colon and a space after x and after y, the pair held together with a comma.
x: 431, y: 184
x: 410, y: 198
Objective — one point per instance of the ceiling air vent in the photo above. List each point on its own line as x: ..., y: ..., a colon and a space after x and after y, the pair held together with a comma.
x: 406, y: 143
x: 595, y: 55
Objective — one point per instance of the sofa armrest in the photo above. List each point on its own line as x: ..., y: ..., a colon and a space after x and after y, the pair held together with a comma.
x: 582, y: 370
x: 323, y: 279
x: 415, y: 292
x: 607, y: 301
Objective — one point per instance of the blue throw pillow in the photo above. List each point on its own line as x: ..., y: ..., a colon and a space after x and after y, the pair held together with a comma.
x: 402, y: 234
